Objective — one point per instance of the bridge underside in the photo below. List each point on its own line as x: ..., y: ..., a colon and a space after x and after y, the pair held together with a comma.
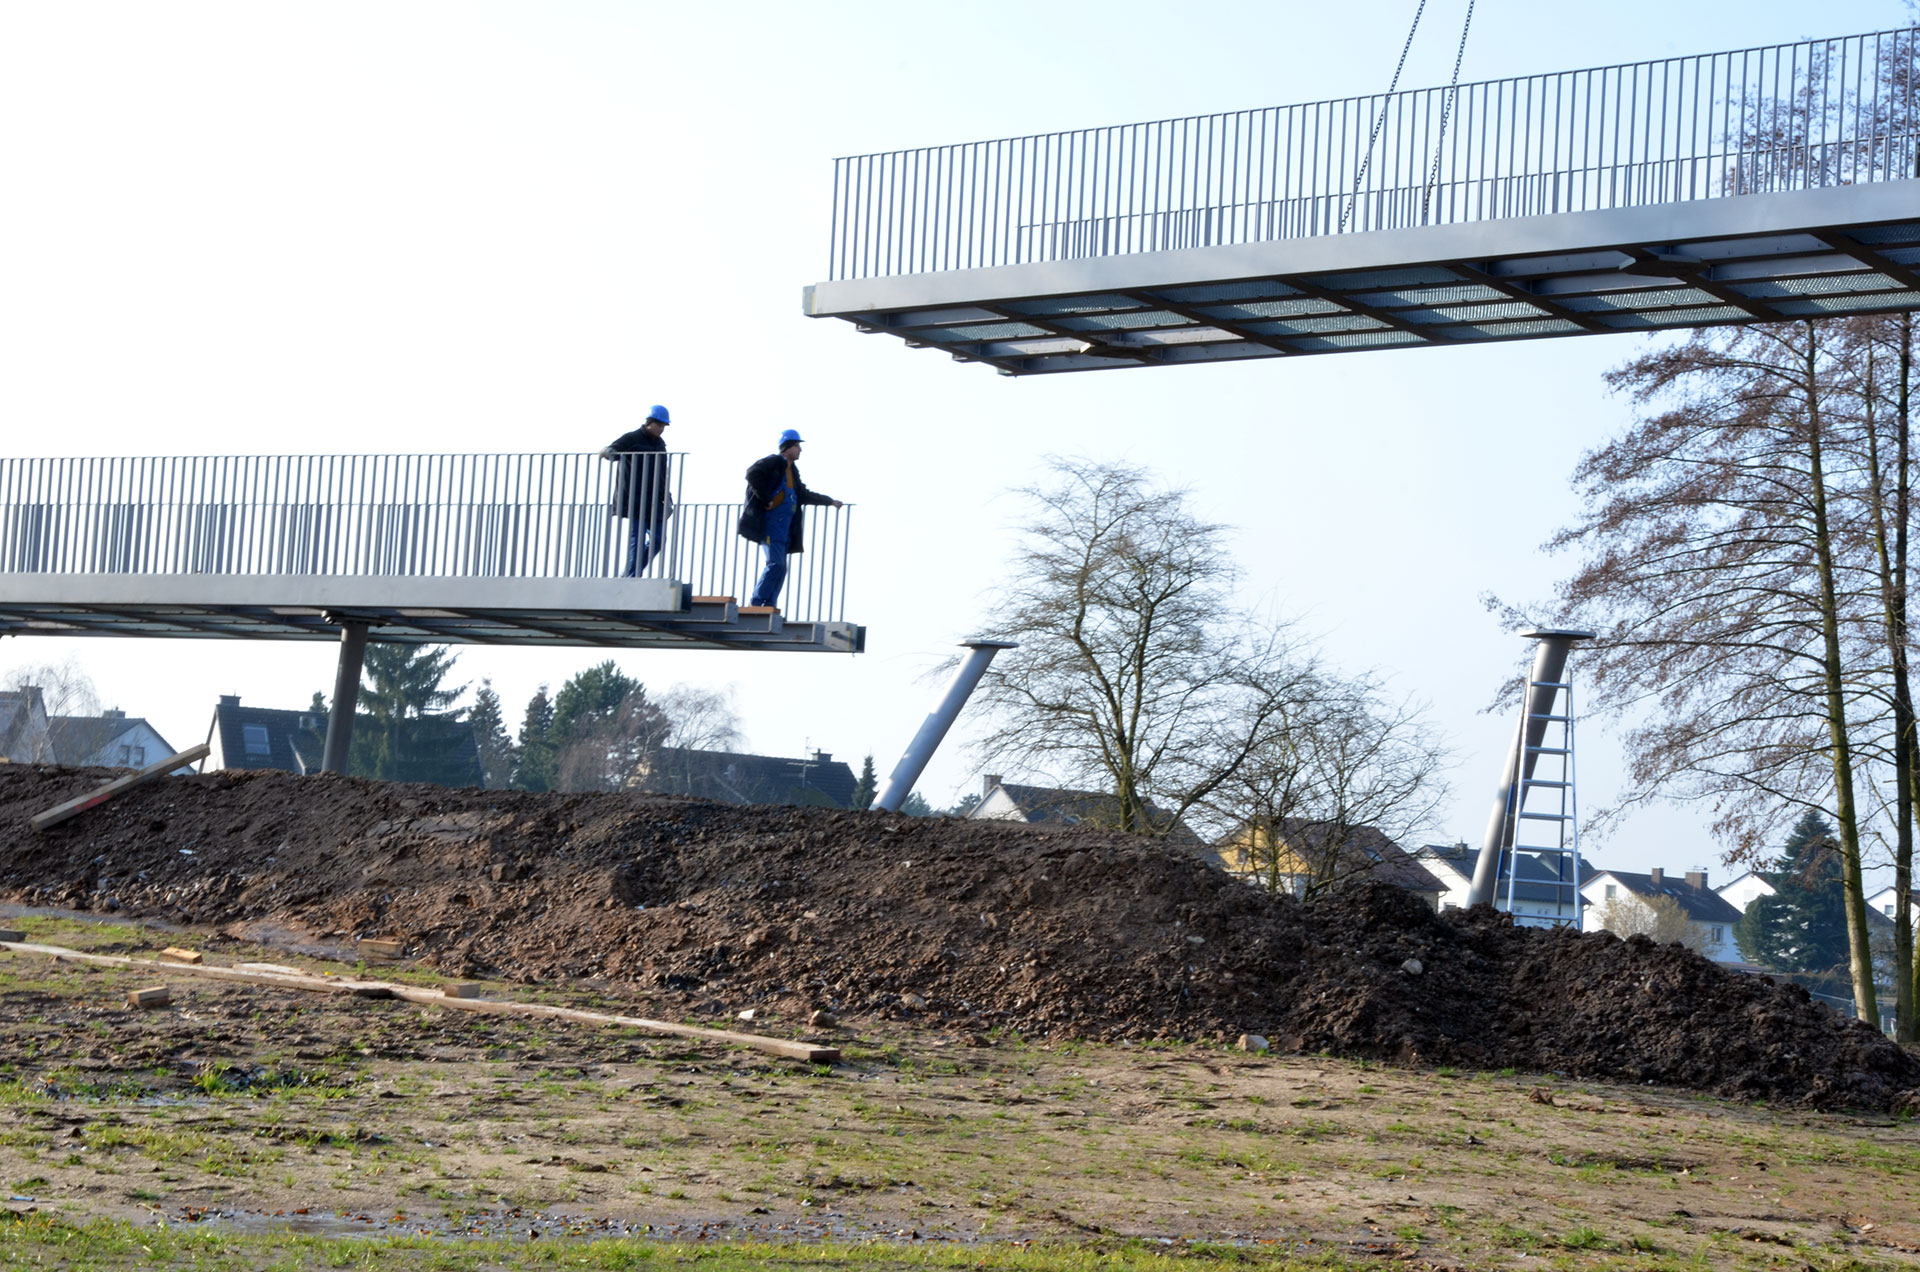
x: 1712, y: 262
x: 615, y: 613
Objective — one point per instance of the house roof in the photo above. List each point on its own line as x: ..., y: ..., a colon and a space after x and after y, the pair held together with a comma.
x: 1534, y: 880
x: 1700, y: 904
x: 736, y: 778
x: 1049, y: 805
x: 1365, y: 850
x: 78, y: 738
x: 292, y: 740
x: 20, y: 711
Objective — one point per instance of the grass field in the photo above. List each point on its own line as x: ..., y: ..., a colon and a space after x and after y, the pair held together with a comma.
x: 251, y: 1128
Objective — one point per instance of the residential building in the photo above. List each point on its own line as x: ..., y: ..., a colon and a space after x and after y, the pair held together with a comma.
x: 112, y: 739
x: 26, y: 736
x: 265, y: 738
x: 1743, y: 891
x: 1537, y: 897
x: 1883, y: 903
x: 734, y: 778
x: 1057, y: 808
x: 443, y: 750
x: 1709, y: 916
x: 1302, y: 859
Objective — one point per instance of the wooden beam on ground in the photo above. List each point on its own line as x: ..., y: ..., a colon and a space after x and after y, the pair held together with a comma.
x: 160, y: 768
x: 774, y: 1046
x: 452, y: 997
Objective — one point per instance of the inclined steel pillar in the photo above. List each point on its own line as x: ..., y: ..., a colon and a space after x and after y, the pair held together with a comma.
x: 1543, y: 686
x: 927, y: 741
x: 346, y: 696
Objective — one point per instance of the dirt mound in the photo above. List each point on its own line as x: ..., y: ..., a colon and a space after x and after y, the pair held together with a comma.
x: 971, y: 925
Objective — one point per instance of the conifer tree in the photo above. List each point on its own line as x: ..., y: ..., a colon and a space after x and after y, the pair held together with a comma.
x: 1802, y: 927
x: 865, y: 789
x: 533, y: 766
x: 490, y: 734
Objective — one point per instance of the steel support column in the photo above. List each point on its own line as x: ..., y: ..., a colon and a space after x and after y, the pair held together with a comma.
x: 927, y: 740
x: 346, y: 696
x: 1549, y: 668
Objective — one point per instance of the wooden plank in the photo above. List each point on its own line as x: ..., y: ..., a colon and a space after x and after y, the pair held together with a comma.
x: 380, y: 951
x: 9, y: 935
x: 773, y: 1046
x: 322, y: 984
x: 174, y: 954
x: 711, y: 600
x: 746, y: 610
x: 160, y: 768
x: 151, y: 997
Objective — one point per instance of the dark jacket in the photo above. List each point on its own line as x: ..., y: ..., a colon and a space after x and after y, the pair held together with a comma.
x: 766, y: 479
x: 641, y: 488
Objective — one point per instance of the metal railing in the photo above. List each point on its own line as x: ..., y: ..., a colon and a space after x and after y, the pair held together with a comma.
x: 1760, y: 120
x: 434, y: 516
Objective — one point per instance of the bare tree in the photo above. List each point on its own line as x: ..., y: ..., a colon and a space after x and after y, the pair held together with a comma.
x: 1343, y: 774
x: 1721, y: 567
x: 1660, y: 919
x: 65, y: 690
x: 699, y: 718
x: 1136, y: 670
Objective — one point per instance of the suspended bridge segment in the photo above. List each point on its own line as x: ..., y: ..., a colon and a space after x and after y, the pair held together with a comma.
x: 1759, y: 185
x: 414, y: 549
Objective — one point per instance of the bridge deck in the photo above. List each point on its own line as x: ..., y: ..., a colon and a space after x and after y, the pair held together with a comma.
x: 498, y: 550
x: 1757, y: 185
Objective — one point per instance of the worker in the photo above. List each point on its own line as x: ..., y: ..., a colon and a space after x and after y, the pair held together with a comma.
x: 771, y: 515
x: 640, y: 491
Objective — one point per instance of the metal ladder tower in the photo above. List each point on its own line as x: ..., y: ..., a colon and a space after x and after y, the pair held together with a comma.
x: 1546, y: 728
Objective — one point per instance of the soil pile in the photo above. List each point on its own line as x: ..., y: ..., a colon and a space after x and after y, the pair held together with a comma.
x: 968, y: 925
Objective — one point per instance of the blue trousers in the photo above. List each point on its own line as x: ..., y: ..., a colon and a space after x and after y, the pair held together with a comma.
x: 644, y: 536
x: 774, y: 577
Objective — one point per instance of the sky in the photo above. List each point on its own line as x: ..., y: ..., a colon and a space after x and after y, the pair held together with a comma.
x: 279, y: 228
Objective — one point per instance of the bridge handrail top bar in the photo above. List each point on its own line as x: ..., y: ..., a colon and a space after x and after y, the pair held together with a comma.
x: 1464, y: 87
x: 557, y: 454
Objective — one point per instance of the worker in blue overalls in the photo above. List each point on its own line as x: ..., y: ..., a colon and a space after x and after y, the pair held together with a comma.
x: 771, y: 515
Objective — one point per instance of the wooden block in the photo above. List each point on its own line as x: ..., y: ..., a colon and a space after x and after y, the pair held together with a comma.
x: 152, y: 996
x: 174, y: 954
x: 461, y: 989
x: 713, y: 600
x: 381, y: 951
x: 759, y: 609
x: 159, y: 768
x: 12, y: 934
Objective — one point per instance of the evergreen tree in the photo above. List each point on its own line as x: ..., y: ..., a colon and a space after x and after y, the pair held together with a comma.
x: 402, y: 731
x: 533, y: 764
x: 603, y: 726
x: 490, y: 735
x: 916, y: 806
x: 1802, y: 927
x: 964, y: 805
x: 319, y: 704
x: 865, y: 789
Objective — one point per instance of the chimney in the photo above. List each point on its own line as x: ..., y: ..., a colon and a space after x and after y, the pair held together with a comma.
x: 987, y: 784
x: 823, y: 757
x: 113, y: 713
x: 1658, y: 876
x: 1697, y: 879
x: 229, y: 699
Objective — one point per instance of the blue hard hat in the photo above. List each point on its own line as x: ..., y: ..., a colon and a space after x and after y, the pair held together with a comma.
x: 789, y: 437
x: 660, y: 413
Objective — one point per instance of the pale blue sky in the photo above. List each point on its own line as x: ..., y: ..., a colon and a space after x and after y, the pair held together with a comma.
x: 270, y: 227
